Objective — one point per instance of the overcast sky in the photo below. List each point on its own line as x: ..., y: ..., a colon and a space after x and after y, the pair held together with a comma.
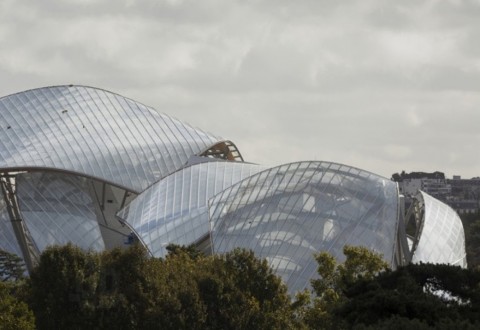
x: 380, y: 85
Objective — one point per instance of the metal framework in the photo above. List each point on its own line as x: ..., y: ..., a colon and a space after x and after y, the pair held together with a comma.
x: 29, y: 249
x: 225, y: 150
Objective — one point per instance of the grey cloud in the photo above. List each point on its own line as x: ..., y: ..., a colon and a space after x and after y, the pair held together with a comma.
x: 377, y: 85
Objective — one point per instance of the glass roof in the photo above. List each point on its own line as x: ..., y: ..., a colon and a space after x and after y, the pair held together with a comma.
x: 58, y: 209
x: 287, y: 213
x: 94, y: 133
x: 175, y: 209
x: 442, y: 239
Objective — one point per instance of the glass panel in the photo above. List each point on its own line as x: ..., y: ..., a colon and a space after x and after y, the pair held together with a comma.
x: 95, y: 133
x: 175, y: 209
x: 288, y: 213
x: 8, y: 240
x: 58, y: 209
x: 442, y: 239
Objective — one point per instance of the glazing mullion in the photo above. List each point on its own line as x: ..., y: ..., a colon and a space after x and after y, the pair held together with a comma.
x: 45, y: 215
x: 77, y: 111
x: 188, y: 130
x: 161, y: 122
x: 152, y: 115
x: 9, y: 145
x: 108, y: 175
x: 182, y: 145
x: 137, y: 148
x: 60, y: 130
x: 99, y: 172
x: 250, y: 197
x: 108, y: 144
x: 142, y: 131
x: 161, y: 152
x: 278, y: 191
x: 360, y: 224
x: 293, y: 225
x: 98, y: 99
x: 316, y: 238
x: 46, y: 113
x: 19, y: 153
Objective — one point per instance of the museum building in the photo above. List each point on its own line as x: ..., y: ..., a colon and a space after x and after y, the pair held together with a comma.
x: 87, y: 166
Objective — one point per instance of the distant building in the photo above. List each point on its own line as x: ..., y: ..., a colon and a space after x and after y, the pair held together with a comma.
x: 432, y: 183
x: 463, y: 195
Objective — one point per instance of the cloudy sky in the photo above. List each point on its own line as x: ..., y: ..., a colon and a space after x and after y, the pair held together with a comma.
x: 381, y: 85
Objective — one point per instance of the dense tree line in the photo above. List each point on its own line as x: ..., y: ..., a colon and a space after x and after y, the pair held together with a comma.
x: 126, y: 289
x: 471, y: 226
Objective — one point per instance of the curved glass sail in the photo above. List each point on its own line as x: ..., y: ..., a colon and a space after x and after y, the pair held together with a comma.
x: 442, y: 239
x: 94, y: 133
x: 288, y: 213
x: 57, y: 209
x: 175, y: 209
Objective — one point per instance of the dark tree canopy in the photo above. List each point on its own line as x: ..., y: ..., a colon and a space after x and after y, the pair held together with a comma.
x: 434, y: 295
x: 127, y: 289
x: 12, y: 267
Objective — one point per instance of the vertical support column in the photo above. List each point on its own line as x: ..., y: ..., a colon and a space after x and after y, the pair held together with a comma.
x: 405, y: 255
x: 29, y: 250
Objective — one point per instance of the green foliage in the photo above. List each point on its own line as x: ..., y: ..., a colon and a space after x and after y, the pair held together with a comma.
x: 426, y: 295
x: 252, y: 296
x: 362, y: 293
x: 127, y: 289
x: 63, y: 288
x: 12, y: 267
x: 190, y: 250
x: 335, y: 279
x: 14, y: 314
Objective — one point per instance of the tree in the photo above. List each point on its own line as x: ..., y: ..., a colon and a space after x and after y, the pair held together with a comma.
x: 14, y: 314
x: 126, y: 293
x: 432, y: 295
x: 471, y: 225
x: 335, y: 279
x: 63, y: 288
x: 252, y: 296
x: 12, y: 267
x: 127, y: 289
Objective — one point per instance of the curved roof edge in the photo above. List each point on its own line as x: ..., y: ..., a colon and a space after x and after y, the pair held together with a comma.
x: 442, y: 236
x: 107, y: 91
x: 74, y: 173
x: 272, y: 168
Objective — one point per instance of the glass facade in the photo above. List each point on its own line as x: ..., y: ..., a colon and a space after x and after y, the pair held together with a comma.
x: 175, y: 209
x: 288, y: 213
x: 94, y: 133
x: 90, y: 167
x: 8, y: 240
x: 442, y: 239
x: 57, y: 209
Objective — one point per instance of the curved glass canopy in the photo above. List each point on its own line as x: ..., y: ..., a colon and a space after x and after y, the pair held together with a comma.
x: 442, y: 239
x: 94, y: 133
x: 57, y: 209
x: 175, y: 209
x: 288, y: 213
